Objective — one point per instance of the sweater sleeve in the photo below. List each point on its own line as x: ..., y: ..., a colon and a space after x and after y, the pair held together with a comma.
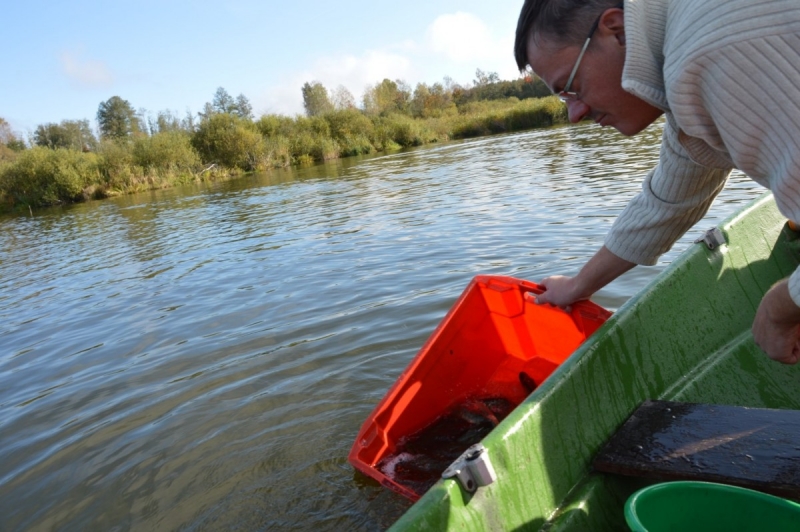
x: 675, y: 195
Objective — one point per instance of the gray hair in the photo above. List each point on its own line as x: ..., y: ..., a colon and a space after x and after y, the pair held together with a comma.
x: 566, y: 22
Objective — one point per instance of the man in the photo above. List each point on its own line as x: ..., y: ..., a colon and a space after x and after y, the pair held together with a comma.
x: 726, y: 73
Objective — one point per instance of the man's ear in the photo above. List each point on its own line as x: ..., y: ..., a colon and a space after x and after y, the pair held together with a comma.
x: 612, y: 22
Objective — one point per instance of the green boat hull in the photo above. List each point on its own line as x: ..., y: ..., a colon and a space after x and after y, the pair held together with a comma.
x: 686, y: 337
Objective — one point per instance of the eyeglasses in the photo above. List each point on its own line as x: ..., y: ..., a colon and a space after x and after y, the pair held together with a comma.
x: 566, y: 95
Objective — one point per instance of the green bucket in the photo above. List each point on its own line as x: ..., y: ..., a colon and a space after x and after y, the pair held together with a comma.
x: 692, y: 506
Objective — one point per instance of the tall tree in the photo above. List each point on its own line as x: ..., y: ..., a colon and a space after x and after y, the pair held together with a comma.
x: 223, y: 102
x: 9, y: 142
x: 69, y: 134
x: 8, y: 138
x: 315, y: 99
x: 167, y: 121
x: 243, y: 107
x: 431, y: 101
x: 341, y: 98
x: 188, y: 123
x: 485, y: 78
x: 117, y: 118
x: 207, y: 112
x: 386, y: 97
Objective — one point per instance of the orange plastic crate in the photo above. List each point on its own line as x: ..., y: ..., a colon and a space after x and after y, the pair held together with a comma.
x: 493, y: 341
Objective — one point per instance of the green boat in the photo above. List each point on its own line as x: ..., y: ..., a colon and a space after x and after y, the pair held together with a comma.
x: 686, y: 337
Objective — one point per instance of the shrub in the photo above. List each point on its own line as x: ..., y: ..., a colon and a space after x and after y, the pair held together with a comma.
x: 355, y: 145
x: 116, y: 161
x: 315, y: 125
x: 534, y: 113
x: 313, y: 145
x: 351, y: 129
x: 279, y: 150
x: 41, y: 176
x: 230, y: 141
x: 406, y: 131
x: 6, y: 154
x: 348, y: 123
x: 275, y: 125
x: 498, y: 116
x: 167, y: 153
x: 381, y: 136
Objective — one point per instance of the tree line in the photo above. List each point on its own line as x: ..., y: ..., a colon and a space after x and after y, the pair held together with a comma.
x: 136, y: 150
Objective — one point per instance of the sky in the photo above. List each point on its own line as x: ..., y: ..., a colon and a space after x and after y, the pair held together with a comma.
x: 62, y: 59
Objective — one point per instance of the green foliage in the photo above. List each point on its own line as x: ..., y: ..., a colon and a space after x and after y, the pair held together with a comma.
x: 164, y: 121
x: 6, y: 154
x: 167, y: 153
x: 535, y: 113
x: 10, y: 142
x: 341, y: 98
x: 42, y: 176
x: 432, y: 102
x: 492, y: 117
x: 117, y: 118
x: 315, y: 99
x: 316, y: 125
x: 274, y: 125
x: 243, y: 107
x: 308, y: 145
x: 520, y: 88
x: 116, y: 165
x: 352, y: 131
x: 225, y: 104
x: 228, y: 140
x: 485, y: 78
x: 16, y: 145
x: 387, y: 97
x: 69, y: 134
x: 407, y: 132
x: 279, y: 150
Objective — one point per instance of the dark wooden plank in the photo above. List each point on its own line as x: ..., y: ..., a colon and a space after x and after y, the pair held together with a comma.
x: 756, y: 448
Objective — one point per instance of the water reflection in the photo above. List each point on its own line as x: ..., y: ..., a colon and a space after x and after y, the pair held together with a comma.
x: 203, y: 357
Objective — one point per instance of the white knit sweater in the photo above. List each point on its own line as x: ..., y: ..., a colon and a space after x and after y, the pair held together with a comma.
x: 727, y: 74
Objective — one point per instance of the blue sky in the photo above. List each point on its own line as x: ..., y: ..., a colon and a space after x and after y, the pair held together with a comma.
x: 61, y: 59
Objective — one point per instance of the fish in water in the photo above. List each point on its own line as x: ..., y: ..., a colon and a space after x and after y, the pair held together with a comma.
x: 421, y: 457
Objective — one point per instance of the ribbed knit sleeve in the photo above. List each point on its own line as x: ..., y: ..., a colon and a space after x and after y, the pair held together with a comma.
x: 675, y: 195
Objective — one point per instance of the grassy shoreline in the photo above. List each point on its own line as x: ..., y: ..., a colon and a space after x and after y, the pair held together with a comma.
x: 224, y: 146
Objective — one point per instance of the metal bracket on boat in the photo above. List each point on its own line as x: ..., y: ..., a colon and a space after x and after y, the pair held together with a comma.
x: 713, y: 238
x: 472, y: 469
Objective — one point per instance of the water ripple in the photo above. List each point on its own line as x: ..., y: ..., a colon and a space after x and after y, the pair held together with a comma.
x: 203, y: 357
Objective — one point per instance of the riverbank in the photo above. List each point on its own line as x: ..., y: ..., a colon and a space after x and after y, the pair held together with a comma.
x: 224, y: 145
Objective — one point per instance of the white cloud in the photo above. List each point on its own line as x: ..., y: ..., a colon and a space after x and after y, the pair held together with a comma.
x: 453, y: 45
x: 460, y: 37
x: 353, y: 72
x: 465, y: 39
x: 86, y: 72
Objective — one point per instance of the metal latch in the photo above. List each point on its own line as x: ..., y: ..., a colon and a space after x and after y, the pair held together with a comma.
x: 713, y: 238
x: 472, y: 469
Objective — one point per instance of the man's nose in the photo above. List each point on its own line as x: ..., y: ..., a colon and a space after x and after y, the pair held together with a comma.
x: 577, y: 110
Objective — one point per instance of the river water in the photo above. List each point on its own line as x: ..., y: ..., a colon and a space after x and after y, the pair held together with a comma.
x: 202, y: 358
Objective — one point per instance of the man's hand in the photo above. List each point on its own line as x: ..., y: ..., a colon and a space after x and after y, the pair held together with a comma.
x: 560, y: 291
x: 601, y: 269
x: 776, y: 328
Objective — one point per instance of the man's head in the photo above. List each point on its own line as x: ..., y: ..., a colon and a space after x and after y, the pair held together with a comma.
x: 550, y: 37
